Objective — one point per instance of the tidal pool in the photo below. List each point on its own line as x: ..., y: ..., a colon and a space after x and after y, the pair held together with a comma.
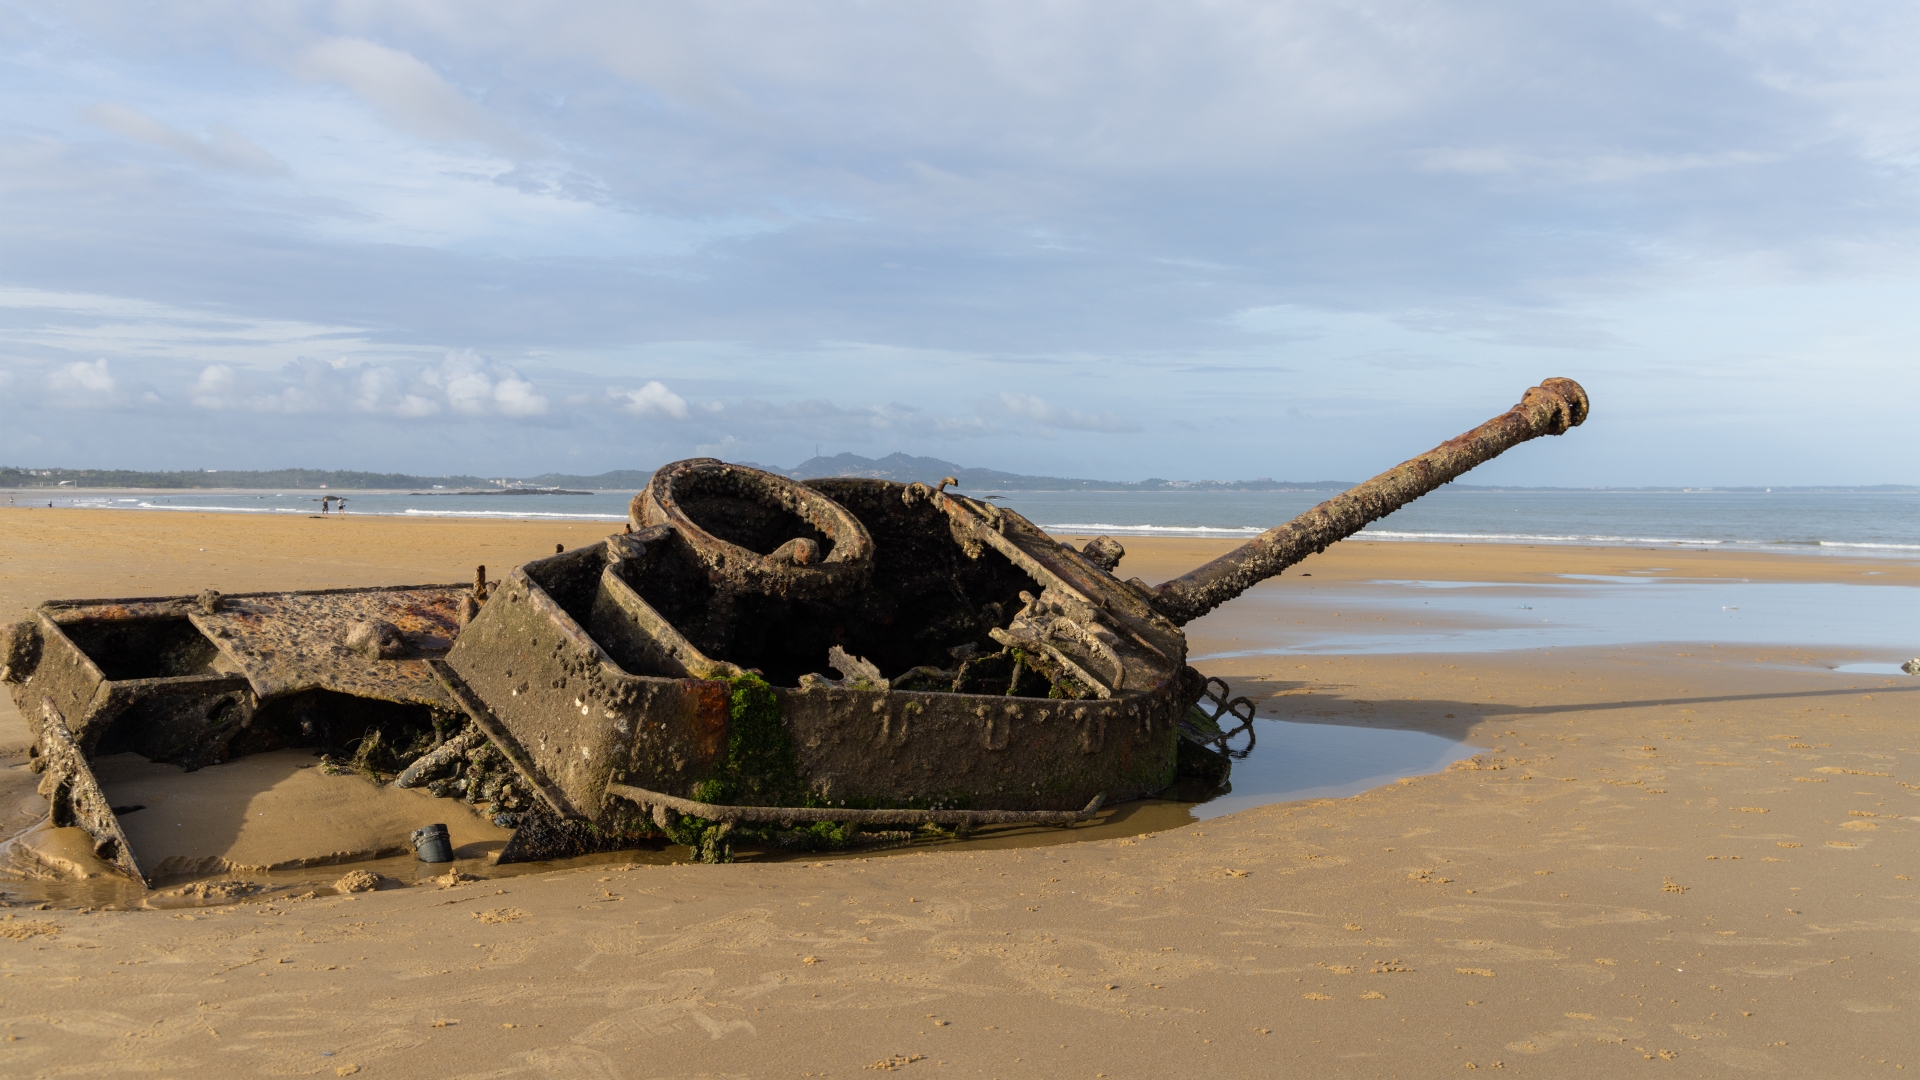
x: 1870, y: 669
x: 1587, y: 610
x: 1292, y: 761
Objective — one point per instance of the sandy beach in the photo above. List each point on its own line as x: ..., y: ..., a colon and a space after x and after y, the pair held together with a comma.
x: 1679, y: 858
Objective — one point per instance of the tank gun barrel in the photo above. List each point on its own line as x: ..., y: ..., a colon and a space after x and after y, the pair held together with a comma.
x: 1548, y: 409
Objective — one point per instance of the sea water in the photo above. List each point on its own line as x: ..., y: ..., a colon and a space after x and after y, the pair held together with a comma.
x: 1831, y: 522
x: 1839, y: 522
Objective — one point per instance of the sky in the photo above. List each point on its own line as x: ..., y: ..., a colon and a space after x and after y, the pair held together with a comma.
x: 1114, y: 239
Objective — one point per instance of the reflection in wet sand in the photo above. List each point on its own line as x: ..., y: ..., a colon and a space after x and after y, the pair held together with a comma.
x: 1399, y: 617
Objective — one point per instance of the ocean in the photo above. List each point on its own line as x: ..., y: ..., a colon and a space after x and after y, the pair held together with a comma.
x: 1841, y: 522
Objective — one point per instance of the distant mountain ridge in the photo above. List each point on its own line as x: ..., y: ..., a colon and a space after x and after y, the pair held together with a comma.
x: 617, y: 480
x: 906, y: 468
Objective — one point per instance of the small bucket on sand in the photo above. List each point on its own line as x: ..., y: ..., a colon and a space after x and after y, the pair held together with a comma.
x: 431, y: 844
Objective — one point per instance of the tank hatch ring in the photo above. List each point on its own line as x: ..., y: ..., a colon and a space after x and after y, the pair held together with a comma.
x: 759, y: 532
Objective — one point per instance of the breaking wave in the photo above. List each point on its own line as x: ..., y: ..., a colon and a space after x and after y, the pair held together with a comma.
x: 1155, y: 530
x: 519, y: 514
x: 1547, y: 538
x: 1889, y: 547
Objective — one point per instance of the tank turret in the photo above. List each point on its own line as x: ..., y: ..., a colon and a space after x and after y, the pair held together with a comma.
x: 756, y: 647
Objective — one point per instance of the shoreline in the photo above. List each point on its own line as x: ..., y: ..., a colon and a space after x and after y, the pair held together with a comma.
x: 1575, y: 533
x: 1231, y: 535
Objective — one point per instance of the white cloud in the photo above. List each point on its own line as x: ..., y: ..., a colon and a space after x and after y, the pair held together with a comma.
x: 1038, y: 411
x: 464, y: 382
x: 1622, y: 167
x: 474, y: 386
x: 225, y: 148
x: 411, y: 94
x: 84, y: 384
x: 377, y: 390
x: 87, y: 378
x: 471, y: 393
x: 517, y: 397
x: 215, y: 388
x: 303, y: 386
x: 654, y: 399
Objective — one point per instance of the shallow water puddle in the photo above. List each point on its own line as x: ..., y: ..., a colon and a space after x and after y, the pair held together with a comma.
x: 1870, y: 669
x: 1293, y: 761
x: 1587, y: 610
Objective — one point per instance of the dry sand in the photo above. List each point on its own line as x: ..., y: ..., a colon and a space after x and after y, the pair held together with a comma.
x: 1693, y: 860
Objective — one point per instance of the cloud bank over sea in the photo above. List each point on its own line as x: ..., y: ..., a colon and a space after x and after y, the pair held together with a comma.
x: 1113, y: 239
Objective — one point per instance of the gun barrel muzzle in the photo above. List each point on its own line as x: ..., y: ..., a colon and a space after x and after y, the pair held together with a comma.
x: 1548, y: 409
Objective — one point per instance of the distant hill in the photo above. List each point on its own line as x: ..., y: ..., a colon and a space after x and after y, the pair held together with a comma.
x: 617, y: 480
x: 906, y: 469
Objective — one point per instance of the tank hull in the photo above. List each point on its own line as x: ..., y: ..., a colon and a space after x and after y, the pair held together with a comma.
x: 555, y: 695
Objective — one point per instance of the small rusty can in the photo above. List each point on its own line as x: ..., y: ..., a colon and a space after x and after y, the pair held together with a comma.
x: 431, y: 844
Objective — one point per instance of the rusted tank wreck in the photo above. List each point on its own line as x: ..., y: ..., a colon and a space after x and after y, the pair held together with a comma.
x: 754, y: 657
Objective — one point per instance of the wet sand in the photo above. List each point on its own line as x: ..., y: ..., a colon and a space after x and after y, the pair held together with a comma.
x: 1691, y: 860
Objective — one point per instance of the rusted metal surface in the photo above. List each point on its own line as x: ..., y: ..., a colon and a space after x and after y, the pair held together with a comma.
x: 195, y: 680
x: 288, y: 642
x: 1552, y: 408
x: 759, y: 534
x: 496, y: 734
x: 796, y: 815
x: 73, y: 795
x: 1026, y: 678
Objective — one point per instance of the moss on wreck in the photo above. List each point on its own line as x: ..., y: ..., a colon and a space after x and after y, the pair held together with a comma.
x: 760, y: 768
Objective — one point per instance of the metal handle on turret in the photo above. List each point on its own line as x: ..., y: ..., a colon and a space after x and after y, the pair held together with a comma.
x: 1548, y: 409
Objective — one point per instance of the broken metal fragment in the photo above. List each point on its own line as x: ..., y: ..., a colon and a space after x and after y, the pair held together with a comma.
x: 796, y: 815
x: 1104, y: 552
x: 376, y: 639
